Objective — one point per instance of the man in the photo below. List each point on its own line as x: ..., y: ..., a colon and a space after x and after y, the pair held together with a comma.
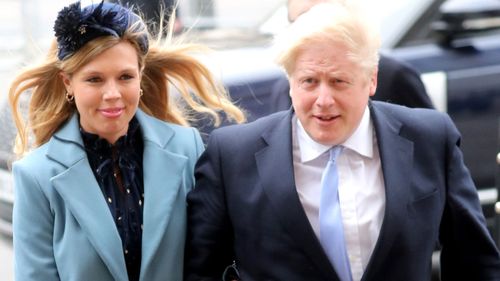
x: 338, y: 187
x: 398, y: 82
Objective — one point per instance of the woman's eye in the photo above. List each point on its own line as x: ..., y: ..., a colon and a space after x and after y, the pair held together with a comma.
x: 126, y: 77
x: 94, y: 79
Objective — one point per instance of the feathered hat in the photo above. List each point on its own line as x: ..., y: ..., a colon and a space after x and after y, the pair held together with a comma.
x: 74, y: 26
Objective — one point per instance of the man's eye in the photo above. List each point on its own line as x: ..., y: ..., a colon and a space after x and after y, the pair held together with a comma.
x: 338, y: 81
x: 308, y: 83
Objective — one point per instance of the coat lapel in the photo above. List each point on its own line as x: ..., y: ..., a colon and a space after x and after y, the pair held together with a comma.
x: 279, y: 185
x: 80, y: 191
x: 83, y: 197
x: 396, y: 156
x: 163, y: 177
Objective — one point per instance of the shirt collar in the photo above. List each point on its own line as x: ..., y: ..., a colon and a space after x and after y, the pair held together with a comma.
x: 361, y: 141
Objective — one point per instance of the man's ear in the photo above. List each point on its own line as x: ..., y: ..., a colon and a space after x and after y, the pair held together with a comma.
x: 373, y: 82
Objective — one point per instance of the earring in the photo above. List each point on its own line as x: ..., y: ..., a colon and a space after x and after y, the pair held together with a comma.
x: 69, y: 97
x: 141, y: 92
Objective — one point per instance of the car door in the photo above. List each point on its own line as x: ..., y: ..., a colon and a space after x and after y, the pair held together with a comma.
x: 457, y: 51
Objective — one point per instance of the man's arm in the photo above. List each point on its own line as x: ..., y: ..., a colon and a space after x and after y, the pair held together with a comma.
x: 468, y: 251
x: 209, y: 241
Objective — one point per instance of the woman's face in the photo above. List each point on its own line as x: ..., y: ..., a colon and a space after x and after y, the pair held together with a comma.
x: 107, y: 91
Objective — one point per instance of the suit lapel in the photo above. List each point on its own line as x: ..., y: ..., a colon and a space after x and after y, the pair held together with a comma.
x: 83, y: 197
x: 279, y: 185
x: 396, y: 156
x: 163, y: 177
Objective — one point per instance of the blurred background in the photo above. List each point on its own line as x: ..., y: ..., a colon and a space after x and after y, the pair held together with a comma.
x: 453, y: 43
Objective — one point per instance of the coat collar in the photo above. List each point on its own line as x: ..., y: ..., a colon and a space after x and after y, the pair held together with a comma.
x: 69, y: 133
x: 80, y: 191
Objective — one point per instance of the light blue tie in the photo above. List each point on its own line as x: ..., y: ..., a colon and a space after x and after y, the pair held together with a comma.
x: 330, y: 219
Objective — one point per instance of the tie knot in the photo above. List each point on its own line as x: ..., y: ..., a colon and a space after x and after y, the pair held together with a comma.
x: 335, y: 152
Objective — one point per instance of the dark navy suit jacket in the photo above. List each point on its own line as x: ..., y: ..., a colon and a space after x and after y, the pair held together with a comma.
x: 245, y: 206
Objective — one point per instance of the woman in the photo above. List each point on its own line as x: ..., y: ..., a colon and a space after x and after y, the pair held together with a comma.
x: 102, y: 195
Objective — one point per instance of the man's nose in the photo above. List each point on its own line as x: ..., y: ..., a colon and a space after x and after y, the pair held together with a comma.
x: 326, y: 95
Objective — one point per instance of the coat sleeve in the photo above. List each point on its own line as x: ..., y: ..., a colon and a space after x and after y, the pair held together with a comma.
x: 33, y: 224
x: 209, y: 239
x: 468, y: 251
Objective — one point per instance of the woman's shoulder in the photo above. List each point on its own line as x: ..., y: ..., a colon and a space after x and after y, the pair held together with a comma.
x: 34, y: 168
x: 33, y: 159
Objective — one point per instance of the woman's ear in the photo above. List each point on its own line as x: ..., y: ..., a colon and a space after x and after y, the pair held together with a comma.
x: 66, y: 79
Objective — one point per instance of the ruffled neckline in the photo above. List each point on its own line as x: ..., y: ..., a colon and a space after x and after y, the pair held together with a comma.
x: 95, y: 144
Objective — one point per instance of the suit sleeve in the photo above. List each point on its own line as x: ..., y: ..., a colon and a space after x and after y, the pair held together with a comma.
x: 198, y: 143
x: 209, y: 242
x: 195, y: 149
x: 468, y: 251
x: 33, y: 227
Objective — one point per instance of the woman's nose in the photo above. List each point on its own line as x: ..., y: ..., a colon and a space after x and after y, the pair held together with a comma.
x: 111, y: 91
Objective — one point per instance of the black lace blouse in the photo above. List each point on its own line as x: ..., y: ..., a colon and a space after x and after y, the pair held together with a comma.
x: 118, y: 170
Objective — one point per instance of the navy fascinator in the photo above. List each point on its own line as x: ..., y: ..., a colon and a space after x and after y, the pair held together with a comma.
x: 74, y: 27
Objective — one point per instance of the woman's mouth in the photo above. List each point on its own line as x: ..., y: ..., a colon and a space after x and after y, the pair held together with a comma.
x: 112, y: 112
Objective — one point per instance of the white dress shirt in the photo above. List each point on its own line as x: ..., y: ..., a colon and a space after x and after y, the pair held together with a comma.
x: 361, y: 187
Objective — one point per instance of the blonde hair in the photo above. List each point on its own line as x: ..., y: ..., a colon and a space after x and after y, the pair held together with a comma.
x: 331, y: 21
x: 166, y: 64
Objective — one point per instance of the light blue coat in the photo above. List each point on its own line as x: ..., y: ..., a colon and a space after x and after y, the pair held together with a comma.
x: 63, y: 229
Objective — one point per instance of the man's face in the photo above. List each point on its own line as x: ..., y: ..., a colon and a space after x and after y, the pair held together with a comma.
x: 329, y: 92
x: 298, y: 7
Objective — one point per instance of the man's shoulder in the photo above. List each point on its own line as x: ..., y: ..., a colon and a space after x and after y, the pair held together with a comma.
x: 418, y: 119
x: 405, y: 112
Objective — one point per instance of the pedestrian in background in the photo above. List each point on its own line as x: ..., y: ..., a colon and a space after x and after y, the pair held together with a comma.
x: 102, y: 194
x: 338, y: 187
